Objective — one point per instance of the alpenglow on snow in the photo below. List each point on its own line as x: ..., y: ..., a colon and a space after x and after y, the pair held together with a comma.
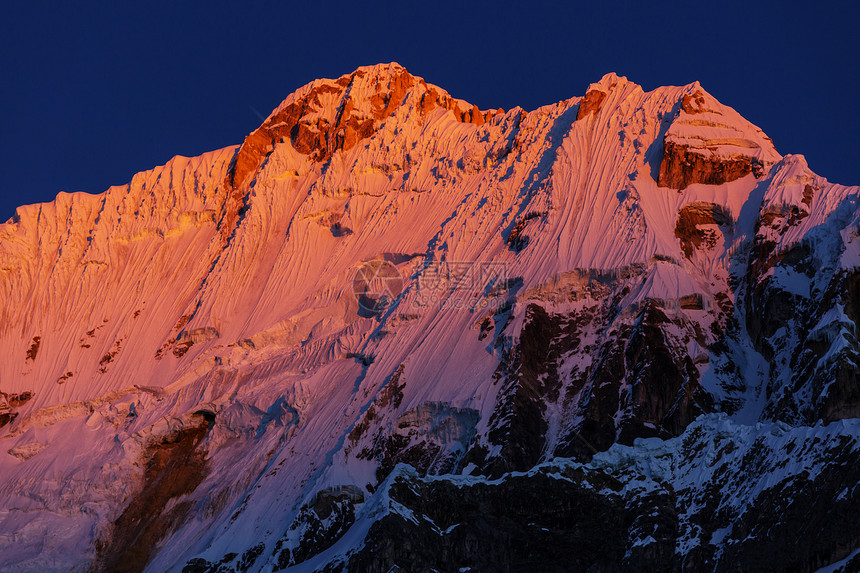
x: 392, y: 331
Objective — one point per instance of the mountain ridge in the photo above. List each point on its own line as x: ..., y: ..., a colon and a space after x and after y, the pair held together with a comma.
x: 601, y: 270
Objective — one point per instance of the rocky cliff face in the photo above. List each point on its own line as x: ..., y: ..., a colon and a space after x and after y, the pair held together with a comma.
x: 391, y: 330
x: 705, y: 145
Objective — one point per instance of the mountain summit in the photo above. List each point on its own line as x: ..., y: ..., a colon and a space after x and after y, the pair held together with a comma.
x: 393, y: 331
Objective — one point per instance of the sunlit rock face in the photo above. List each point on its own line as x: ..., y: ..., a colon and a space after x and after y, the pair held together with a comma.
x: 391, y: 330
x: 711, y: 144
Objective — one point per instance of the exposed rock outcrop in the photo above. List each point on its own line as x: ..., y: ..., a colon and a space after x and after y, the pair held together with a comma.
x: 590, y: 104
x: 318, y: 526
x: 327, y: 116
x: 693, y: 220
x: 682, y: 167
x: 710, y: 144
x: 174, y: 466
x: 534, y: 523
x: 659, y: 509
x: 9, y: 403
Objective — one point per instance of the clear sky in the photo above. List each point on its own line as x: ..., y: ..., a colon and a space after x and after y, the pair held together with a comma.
x: 92, y: 93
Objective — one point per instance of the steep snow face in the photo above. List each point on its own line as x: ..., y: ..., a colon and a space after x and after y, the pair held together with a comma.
x: 382, y: 273
x: 86, y: 277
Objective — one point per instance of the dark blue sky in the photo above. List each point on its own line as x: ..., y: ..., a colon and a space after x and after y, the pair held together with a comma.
x: 94, y: 92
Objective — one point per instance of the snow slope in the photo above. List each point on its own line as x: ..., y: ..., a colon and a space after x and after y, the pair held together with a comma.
x: 539, y: 254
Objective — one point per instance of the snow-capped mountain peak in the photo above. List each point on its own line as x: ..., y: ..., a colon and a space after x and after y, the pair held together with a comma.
x: 226, y: 362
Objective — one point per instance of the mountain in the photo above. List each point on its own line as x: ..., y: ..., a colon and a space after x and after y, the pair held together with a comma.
x: 391, y: 331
